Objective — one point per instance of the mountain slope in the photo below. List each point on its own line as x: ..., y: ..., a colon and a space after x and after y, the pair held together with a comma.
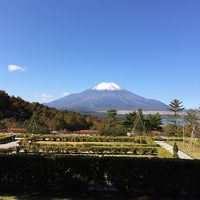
x: 106, y: 96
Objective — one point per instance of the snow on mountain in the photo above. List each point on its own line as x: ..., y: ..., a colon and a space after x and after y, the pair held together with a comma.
x: 106, y: 86
x: 106, y: 96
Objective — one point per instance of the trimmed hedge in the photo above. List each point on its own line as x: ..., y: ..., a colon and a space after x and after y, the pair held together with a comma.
x: 80, y: 138
x: 89, y: 144
x: 7, y: 138
x: 82, y: 174
x: 93, y: 149
x: 8, y: 151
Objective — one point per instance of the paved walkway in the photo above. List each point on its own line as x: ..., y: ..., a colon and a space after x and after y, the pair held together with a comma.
x: 169, y: 148
x: 9, y: 145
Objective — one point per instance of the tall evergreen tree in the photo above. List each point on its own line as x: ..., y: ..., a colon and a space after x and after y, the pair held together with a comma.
x: 176, y: 106
x: 175, y: 150
x: 129, y: 121
x: 153, y: 122
x: 111, y: 116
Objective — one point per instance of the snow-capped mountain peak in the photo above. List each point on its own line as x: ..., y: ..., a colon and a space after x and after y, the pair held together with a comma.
x: 105, y: 96
x: 106, y: 86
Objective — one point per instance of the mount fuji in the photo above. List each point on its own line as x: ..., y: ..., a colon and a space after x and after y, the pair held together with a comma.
x: 106, y: 96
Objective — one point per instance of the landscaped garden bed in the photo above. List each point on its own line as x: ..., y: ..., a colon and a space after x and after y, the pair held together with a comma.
x: 6, y: 138
x: 92, y: 145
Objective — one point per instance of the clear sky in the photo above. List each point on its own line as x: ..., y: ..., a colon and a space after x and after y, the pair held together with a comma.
x: 52, y: 47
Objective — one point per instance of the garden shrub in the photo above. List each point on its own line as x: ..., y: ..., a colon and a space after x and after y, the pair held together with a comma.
x: 6, y: 138
x: 82, y: 174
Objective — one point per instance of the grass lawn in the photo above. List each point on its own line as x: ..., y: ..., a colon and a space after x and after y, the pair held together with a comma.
x: 194, y: 152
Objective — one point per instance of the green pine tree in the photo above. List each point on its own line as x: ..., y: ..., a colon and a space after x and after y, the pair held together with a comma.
x: 175, y: 150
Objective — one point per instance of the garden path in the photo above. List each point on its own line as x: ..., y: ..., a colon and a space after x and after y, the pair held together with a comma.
x: 169, y: 148
x: 9, y: 145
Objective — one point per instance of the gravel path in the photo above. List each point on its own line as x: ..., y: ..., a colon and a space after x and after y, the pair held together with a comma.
x: 9, y: 145
x: 169, y: 148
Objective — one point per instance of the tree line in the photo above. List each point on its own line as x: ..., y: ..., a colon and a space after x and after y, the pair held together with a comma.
x: 185, y: 123
x: 37, y: 118
x: 133, y: 123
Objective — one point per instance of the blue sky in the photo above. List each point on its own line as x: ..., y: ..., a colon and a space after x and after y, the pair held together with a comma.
x: 150, y: 47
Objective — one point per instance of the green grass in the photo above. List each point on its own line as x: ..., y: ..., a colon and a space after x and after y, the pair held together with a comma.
x: 194, y: 151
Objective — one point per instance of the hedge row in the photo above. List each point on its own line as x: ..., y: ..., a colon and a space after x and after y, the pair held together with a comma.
x: 8, y: 151
x: 56, y: 149
x: 178, y: 139
x: 89, y: 144
x: 80, y: 138
x: 80, y: 174
x: 6, y: 138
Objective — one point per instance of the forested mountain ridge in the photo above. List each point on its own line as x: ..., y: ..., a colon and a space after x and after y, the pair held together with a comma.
x: 15, y: 112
